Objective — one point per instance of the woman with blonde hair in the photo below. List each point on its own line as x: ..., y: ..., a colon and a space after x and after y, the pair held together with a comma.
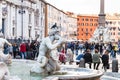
x: 69, y: 56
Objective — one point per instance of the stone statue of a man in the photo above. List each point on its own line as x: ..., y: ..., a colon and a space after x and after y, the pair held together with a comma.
x: 4, y: 57
x: 46, y: 61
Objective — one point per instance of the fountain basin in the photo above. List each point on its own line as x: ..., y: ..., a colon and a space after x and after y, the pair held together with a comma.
x: 21, y: 68
x: 67, y: 73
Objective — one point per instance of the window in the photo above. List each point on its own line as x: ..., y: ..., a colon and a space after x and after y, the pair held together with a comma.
x: 36, y: 18
x: 91, y: 19
x: 82, y: 19
x: 114, y: 22
x: 119, y: 22
x: 86, y: 29
x: 86, y: 19
x: 29, y: 33
x: 13, y: 31
x: 114, y: 33
x: 82, y: 29
x: 91, y: 24
x: 82, y: 24
x: 119, y: 28
x: 110, y: 22
x: 29, y: 18
x: 86, y: 24
x: 95, y: 24
x: 90, y: 29
x: 114, y: 28
x: 86, y: 34
x: 77, y: 29
x: 78, y: 24
x: 106, y: 22
x: 96, y: 20
x: 118, y: 33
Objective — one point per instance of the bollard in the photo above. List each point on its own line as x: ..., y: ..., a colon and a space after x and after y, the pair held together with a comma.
x: 114, y: 65
x: 82, y: 63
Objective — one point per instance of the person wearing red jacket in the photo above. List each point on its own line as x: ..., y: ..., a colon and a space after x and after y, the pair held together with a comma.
x: 23, y: 50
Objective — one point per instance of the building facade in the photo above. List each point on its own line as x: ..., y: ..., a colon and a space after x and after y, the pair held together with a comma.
x: 113, y: 22
x: 72, y: 26
x: 63, y: 20
x: 22, y: 18
x: 26, y: 19
x: 86, y: 26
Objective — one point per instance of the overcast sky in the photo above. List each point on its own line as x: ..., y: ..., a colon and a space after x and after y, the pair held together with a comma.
x: 86, y: 6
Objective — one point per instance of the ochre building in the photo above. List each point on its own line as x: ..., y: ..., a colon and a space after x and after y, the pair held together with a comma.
x: 86, y: 26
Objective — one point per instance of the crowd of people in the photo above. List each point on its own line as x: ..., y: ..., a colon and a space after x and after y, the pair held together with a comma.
x: 24, y: 50
x: 92, y: 53
x: 95, y: 53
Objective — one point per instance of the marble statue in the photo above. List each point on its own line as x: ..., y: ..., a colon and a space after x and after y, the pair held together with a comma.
x: 4, y: 57
x: 47, y: 61
x: 4, y: 73
x: 101, y: 34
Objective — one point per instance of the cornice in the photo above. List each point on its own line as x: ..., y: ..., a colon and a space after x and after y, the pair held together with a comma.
x: 18, y: 4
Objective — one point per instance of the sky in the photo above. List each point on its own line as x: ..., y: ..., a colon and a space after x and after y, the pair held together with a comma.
x: 86, y: 6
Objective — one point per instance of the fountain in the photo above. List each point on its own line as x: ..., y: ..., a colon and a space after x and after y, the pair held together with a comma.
x: 67, y: 72
x: 101, y: 34
x: 47, y: 66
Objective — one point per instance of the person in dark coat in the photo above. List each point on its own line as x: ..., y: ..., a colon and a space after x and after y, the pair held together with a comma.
x: 15, y: 50
x: 105, y: 60
x: 88, y: 57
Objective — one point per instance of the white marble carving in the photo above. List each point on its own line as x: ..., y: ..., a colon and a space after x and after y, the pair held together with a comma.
x: 4, y: 57
x: 3, y: 70
x: 101, y: 34
x: 47, y: 61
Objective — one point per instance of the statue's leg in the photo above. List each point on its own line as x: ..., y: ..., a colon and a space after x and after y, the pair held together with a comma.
x: 37, y: 69
x: 3, y: 70
x: 8, y: 59
x: 40, y: 65
x: 53, y: 65
x: 57, y: 66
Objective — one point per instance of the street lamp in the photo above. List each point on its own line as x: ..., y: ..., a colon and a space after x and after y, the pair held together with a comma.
x: 21, y: 11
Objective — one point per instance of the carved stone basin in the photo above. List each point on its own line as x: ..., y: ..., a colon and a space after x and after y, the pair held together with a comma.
x: 69, y: 73
x: 21, y: 68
